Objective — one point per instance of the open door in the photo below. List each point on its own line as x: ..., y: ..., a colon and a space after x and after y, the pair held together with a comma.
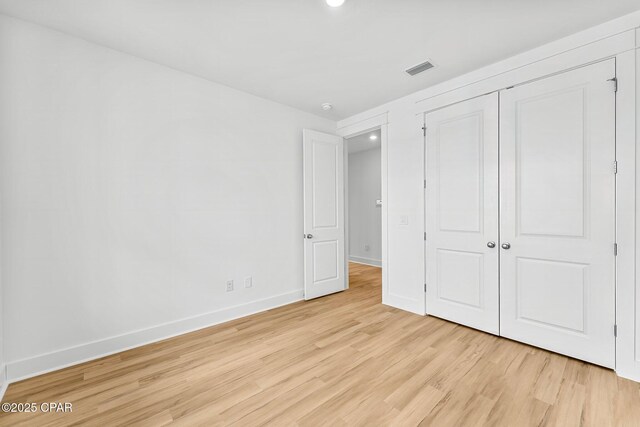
x: 324, y: 240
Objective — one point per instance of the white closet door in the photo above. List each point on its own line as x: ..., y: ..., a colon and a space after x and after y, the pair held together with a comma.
x: 462, y: 213
x: 557, y: 152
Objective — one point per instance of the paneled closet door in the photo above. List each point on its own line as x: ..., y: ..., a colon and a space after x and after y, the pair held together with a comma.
x: 557, y: 201
x: 462, y: 213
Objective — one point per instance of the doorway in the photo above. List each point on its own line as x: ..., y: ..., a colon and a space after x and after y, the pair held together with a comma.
x: 363, y: 191
x: 326, y: 232
x: 363, y: 206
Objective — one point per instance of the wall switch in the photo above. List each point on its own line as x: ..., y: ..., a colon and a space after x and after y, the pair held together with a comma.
x: 248, y: 282
x: 404, y: 220
x: 229, y: 285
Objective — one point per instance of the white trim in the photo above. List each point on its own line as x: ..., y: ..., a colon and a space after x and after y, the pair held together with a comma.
x: 3, y: 381
x: 384, y: 159
x: 574, y: 58
x: 345, y: 203
x: 379, y: 120
x: 422, y: 118
x: 3, y: 390
x: 406, y: 304
x: 363, y: 125
x: 27, y: 368
x: 627, y: 363
x: 365, y: 261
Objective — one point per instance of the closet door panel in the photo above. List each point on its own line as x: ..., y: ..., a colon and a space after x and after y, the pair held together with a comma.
x: 462, y: 213
x: 557, y: 189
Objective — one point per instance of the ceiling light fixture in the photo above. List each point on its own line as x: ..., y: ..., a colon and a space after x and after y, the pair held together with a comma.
x: 373, y: 137
x: 327, y: 106
x: 335, y: 3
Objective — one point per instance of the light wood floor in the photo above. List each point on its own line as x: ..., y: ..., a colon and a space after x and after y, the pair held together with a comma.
x: 339, y: 360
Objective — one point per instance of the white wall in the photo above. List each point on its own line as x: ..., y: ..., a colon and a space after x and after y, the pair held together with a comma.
x: 130, y: 194
x: 365, y: 219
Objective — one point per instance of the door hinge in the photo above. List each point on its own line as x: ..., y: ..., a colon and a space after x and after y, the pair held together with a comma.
x: 424, y: 130
x: 615, y: 331
x: 425, y: 235
x: 615, y: 249
x: 615, y: 166
x: 615, y: 83
x: 425, y: 288
x: 424, y: 183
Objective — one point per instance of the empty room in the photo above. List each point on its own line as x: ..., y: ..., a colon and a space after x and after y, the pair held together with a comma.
x: 320, y: 212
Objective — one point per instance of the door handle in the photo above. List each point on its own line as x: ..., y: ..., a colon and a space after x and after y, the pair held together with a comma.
x: 506, y: 245
x: 491, y: 245
x: 309, y: 236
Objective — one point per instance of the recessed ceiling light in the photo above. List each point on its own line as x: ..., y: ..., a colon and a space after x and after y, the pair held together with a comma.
x: 335, y: 3
x: 327, y: 106
x: 373, y: 137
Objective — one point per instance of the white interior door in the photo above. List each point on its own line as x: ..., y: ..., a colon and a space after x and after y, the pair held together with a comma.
x: 324, y: 240
x: 462, y: 213
x: 557, y: 266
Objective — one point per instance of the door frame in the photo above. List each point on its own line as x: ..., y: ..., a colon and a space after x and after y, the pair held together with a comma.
x: 627, y: 216
x: 356, y: 129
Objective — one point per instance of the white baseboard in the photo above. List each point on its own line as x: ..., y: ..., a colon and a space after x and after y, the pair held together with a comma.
x: 365, y: 261
x: 3, y: 381
x: 33, y: 366
x: 630, y: 375
x: 403, y: 303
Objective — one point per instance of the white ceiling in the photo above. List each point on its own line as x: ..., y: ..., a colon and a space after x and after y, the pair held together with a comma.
x: 363, y: 142
x: 303, y: 53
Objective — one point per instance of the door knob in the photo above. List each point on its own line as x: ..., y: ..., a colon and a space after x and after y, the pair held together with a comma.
x: 491, y: 245
x: 506, y: 245
x: 309, y: 236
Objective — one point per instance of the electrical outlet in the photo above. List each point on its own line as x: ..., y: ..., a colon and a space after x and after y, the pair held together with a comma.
x: 366, y: 248
x: 248, y: 282
x: 229, y: 285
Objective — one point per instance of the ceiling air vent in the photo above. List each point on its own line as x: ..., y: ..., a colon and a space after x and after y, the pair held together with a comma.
x: 424, y: 66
